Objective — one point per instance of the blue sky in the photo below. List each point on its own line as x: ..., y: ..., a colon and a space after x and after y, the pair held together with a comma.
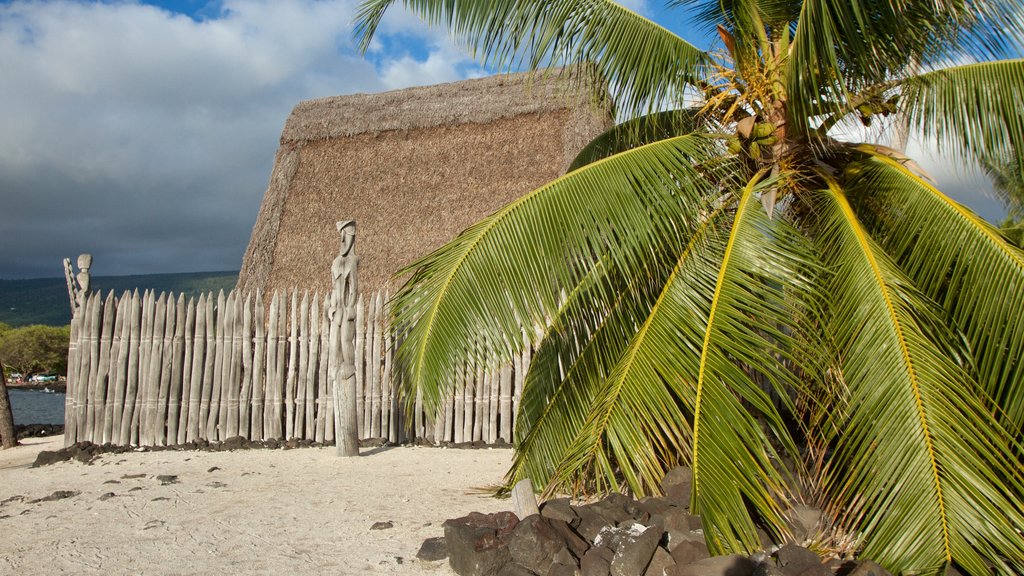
x: 145, y: 132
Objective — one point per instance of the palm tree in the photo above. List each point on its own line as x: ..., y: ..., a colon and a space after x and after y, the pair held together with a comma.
x: 730, y: 287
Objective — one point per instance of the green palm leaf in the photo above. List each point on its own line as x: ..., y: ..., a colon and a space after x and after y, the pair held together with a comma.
x: 960, y: 261
x: 973, y: 110
x: 842, y: 46
x: 685, y: 364
x: 921, y: 468
x: 506, y: 273
x: 644, y: 64
x: 637, y: 132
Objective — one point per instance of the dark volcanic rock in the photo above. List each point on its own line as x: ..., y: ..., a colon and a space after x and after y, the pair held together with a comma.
x: 732, y: 565
x: 47, y: 457
x: 433, y: 549
x: 660, y: 562
x: 534, y: 543
x: 796, y: 560
x: 597, y: 562
x: 58, y: 495
x: 590, y: 523
x: 513, y: 569
x: 868, y: 568
x: 22, y: 431
x: 633, y: 555
x: 689, y: 552
x: 381, y: 525
x: 477, y: 543
x: 676, y: 485
x: 559, y: 509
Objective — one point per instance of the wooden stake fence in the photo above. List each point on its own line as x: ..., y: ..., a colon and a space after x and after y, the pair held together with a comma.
x: 154, y: 370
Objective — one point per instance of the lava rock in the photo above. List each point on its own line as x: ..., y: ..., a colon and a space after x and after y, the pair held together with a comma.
x: 433, y: 550
x: 590, y: 523
x: 234, y: 443
x: 559, y: 509
x: 677, y: 484
x: 57, y: 495
x: 381, y: 525
x: 534, y: 543
x: 731, y: 565
x: 633, y: 556
x: 660, y: 562
x: 597, y: 562
x: 689, y: 552
x: 796, y: 560
x: 47, y: 457
x: 477, y: 543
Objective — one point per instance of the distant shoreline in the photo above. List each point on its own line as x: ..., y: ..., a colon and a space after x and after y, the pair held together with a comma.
x: 51, y: 386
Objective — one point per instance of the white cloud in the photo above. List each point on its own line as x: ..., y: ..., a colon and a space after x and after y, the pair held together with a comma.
x: 147, y: 137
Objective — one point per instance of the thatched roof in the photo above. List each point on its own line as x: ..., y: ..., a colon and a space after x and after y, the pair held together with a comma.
x: 413, y: 168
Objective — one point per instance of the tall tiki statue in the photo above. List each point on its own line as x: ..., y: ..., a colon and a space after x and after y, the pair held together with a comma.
x: 343, y: 335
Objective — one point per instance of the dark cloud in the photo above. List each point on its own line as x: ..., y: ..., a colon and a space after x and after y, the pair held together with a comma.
x: 146, y: 137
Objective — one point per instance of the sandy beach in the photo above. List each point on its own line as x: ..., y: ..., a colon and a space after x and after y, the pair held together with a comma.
x: 301, y: 511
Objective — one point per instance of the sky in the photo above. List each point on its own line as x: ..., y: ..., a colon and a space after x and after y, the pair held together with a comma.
x: 144, y: 132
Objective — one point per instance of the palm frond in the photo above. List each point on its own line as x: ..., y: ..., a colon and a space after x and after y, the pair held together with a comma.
x: 506, y: 273
x: 841, y: 46
x: 644, y: 64
x: 697, y: 353
x: 921, y: 468
x: 972, y: 110
x: 637, y: 132
x: 958, y: 260
x: 585, y: 341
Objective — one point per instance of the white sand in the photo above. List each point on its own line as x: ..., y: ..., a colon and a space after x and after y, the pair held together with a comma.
x: 281, y: 512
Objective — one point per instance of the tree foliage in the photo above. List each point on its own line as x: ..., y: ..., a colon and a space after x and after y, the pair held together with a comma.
x: 725, y: 284
x: 35, y: 349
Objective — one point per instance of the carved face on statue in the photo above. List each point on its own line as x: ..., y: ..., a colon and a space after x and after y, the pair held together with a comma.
x: 347, y: 229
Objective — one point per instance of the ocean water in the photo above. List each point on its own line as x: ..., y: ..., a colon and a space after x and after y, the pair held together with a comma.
x: 37, y: 406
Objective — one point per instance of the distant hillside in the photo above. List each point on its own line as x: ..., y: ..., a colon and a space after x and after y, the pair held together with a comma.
x: 45, y: 300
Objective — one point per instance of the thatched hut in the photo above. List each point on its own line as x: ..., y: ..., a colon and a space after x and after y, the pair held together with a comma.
x: 412, y: 168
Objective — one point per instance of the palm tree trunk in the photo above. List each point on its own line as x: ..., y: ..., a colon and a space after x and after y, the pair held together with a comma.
x: 7, y: 437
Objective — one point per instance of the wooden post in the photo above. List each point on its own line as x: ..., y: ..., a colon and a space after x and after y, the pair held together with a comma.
x: 312, y: 341
x: 323, y: 381
x: 132, y: 384
x: 122, y: 344
x: 99, y: 400
x: 299, y: 426
x: 277, y: 430
x: 195, y: 393
x: 186, y: 371
x: 233, y: 383
x: 159, y: 429
x: 209, y: 368
x: 505, y: 403
x: 289, y: 387
x: 524, y: 501
x: 95, y: 331
x: 259, y: 381
x: 217, y: 345
x: 374, y: 374
x: 460, y: 406
x: 479, y: 405
x: 360, y: 360
x: 244, y: 397
x: 268, y: 405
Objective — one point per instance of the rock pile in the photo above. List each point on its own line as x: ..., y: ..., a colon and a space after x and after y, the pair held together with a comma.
x: 617, y: 536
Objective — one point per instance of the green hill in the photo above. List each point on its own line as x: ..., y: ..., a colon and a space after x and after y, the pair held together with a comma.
x: 45, y: 300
